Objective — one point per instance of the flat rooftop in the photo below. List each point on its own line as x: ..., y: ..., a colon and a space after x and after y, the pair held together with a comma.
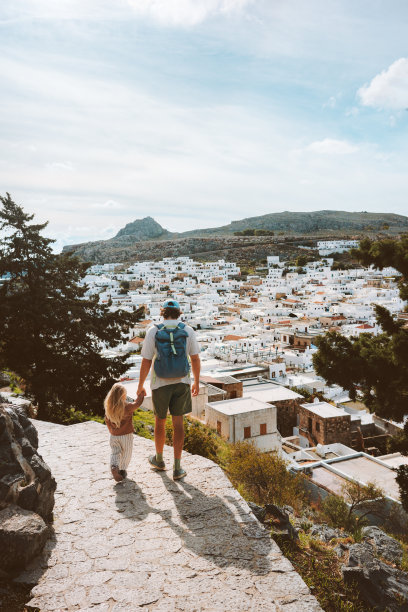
x: 239, y: 406
x: 362, y: 469
x: 268, y: 392
x: 394, y: 460
x: 325, y: 410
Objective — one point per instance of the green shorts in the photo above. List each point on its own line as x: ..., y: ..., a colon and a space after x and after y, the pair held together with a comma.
x: 176, y: 398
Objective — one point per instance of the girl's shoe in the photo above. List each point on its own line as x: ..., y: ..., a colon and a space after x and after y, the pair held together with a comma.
x: 116, y: 473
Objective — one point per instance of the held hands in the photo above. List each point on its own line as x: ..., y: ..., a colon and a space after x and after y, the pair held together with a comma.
x: 195, y: 388
x: 140, y: 397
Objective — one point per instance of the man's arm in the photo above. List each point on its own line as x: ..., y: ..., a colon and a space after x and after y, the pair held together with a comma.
x: 144, y: 370
x: 195, y: 366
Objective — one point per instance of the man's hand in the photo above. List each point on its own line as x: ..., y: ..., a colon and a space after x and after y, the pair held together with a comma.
x: 141, y: 391
x: 195, y: 366
x: 139, y: 400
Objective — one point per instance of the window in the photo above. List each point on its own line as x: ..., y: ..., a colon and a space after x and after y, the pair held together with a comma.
x: 247, y: 432
x: 310, y: 423
x: 317, y: 426
x: 219, y: 427
x: 263, y: 429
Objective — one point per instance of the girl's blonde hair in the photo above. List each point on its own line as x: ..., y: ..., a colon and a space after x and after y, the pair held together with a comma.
x: 115, y: 403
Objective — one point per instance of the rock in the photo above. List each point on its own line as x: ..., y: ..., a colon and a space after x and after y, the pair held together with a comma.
x: 259, y: 512
x: 325, y: 533
x: 384, y: 545
x: 25, y: 480
x: 22, y: 536
x: 18, y: 401
x: 380, y: 585
x: 341, y: 549
x: 4, y: 379
x: 282, y: 527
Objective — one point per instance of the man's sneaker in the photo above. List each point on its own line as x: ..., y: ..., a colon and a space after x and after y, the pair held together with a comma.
x: 158, y: 465
x: 123, y: 473
x: 180, y: 473
x: 116, y: 473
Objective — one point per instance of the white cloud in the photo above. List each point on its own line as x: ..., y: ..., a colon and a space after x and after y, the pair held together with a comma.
x: 330, y: 146
x: 60, y: 166
x: 331, y: 102
x: 352, y: 112
x: 107, y: 204
x: 186, y: 12
x: 389, y: 89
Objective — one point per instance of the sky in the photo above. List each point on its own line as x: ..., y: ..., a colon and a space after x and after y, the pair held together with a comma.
x: 199, y: 112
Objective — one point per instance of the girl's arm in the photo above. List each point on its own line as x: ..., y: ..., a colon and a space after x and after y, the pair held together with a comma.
x: 137, y: 403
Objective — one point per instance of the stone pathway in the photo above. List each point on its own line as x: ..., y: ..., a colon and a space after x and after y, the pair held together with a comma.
x: 150, y: 543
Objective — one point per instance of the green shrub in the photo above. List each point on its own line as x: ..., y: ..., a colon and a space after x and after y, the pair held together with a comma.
x: 263, y: 477
x: 336, y: 511
x: 198, y: 439
x: 350, y: 511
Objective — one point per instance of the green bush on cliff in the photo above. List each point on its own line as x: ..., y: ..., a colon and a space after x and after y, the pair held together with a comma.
x: 263, y: 477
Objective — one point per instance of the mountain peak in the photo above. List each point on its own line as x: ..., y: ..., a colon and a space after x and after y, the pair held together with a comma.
x: 142, y: 229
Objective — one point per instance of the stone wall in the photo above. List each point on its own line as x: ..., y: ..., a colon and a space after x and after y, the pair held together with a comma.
x: 325, y: 430
x: 233, y: 389
x: 287, y: 411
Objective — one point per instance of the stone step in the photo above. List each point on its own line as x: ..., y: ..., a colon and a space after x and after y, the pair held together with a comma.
x: 150, y: 543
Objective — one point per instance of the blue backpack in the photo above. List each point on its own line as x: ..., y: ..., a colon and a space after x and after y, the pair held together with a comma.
x: 171, y: 345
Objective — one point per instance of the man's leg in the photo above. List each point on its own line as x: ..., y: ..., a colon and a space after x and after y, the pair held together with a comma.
x: 160, y: 404
x: 180, y: 404
x: 178, y: 436
x: 159, y: 435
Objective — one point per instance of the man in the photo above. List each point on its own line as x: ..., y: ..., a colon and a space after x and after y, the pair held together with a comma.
x: 170, y: 392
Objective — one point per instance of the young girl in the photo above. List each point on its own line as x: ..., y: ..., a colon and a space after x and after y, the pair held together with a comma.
x: 118, y: 418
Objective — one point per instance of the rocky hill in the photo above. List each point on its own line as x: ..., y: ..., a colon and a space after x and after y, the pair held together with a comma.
x: 306, y: 222
x: 139, y: 239
x: 141, y: 229
x: 243, y: 250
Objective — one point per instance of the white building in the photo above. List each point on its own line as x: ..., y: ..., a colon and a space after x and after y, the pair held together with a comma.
x: 326, y: 247
x: 245, y: 419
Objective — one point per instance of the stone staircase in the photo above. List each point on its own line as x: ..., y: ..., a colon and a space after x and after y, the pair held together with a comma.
x: 149, y: 543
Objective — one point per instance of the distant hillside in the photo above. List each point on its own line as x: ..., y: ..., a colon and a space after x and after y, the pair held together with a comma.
x: 306, y: 222
x: 324, y: 223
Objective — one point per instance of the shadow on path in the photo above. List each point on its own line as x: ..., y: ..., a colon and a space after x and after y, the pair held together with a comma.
x: 204, y: 523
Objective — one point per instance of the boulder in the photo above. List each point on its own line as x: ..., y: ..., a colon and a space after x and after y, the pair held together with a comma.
x: 325, y: 533
x: 9, y: 397
x: 382, y: 586
x: 282, y: 528
x: 384, y: 546
x: 25, y: 479
x: 22, y: 536
x: 259, y: 512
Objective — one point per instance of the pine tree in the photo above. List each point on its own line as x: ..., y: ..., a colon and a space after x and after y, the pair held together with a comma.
x: 51, y: 333
x: 377, y: 366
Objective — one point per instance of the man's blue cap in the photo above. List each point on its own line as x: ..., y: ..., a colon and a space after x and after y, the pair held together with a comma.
x: 171, y: 304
